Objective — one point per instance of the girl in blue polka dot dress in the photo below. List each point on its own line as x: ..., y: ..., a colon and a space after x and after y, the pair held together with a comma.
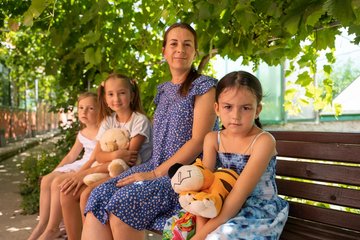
x: 142, y: 198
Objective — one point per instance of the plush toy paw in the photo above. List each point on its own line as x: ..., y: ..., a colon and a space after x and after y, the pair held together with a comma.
x: 205, y: 205
x: 116, y: 167
x: 94, y: 177
x: 186, y: 199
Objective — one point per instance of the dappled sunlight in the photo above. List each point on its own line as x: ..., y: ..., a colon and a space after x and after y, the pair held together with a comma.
x: 2, y: 169
x: 14, y: 229
x: 25, y: 154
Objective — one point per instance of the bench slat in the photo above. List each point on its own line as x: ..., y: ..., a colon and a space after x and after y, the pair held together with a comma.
x: 321, y: 193
x: 322, y: 137
x: 299, y: 229
x: 312, y: 222
x: 328, y: 216
x: 323, y: 151
x: 321, y: 172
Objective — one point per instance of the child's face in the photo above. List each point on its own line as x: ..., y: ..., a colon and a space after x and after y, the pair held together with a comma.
x: 87, y: 110
x: 237, y: 109
x: 179, y: 50
x: 117, y: 94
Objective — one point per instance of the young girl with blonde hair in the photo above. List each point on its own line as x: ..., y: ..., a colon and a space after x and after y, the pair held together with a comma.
x: 50, y: 208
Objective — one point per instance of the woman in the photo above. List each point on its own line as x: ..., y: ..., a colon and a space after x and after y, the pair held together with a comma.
x: 142, y: 198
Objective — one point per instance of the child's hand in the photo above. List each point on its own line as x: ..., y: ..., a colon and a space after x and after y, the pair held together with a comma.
x: 136, y: 177
x: 72, y: 183
x: 129, y: 156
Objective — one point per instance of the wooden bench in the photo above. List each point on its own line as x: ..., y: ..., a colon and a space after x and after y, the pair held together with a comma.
x: 336, y: 184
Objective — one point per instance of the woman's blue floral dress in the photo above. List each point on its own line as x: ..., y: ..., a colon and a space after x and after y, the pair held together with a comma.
x: 147, y: 204
x: 264, y: 213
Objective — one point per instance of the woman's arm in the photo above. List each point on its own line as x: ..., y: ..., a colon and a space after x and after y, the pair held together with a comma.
x: 262, y: 151
x: 204, y: 120
x: 72, y: 155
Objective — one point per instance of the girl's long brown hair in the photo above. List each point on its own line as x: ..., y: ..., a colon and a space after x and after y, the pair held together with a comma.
x: 241, y: 79
x: 135, y: 104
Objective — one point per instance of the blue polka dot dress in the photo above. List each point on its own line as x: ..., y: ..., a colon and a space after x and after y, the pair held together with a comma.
x: 147, y: 204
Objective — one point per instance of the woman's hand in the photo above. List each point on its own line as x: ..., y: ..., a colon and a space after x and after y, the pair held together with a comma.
x: 136, y: 177
x: 72, y: 183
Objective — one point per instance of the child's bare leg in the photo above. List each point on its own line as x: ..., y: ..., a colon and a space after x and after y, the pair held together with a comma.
x: 83, y: 200
x: 52, y: 229
x: 71, y: 213
x: 86, y: 193
x: 44, y: 211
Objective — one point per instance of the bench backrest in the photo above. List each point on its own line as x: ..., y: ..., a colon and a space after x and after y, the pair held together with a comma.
x: 336, y: 172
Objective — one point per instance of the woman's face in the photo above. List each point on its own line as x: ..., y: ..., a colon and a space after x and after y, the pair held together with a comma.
x: 179, y: 50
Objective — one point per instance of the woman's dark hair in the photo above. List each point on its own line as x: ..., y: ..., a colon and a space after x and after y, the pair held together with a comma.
x: 135, y: 104
x: 241, y: 79
x: 193, y: 74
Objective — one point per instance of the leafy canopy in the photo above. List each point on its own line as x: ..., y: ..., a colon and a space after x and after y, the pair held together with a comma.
x: 69, y: 45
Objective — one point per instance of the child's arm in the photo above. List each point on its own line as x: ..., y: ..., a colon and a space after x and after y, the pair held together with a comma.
x: 129, y: 155
x: 72, y: 155
x: 210, y: 149
x: 134, y: 146
x: 74, y: 182
x: 263, y: 150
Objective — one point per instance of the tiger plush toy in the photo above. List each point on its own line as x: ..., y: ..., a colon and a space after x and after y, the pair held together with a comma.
x: 201, y: 191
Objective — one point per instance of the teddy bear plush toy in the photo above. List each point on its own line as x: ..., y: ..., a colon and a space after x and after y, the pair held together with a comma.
x: 112, y: 139
x: 201, y: 191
